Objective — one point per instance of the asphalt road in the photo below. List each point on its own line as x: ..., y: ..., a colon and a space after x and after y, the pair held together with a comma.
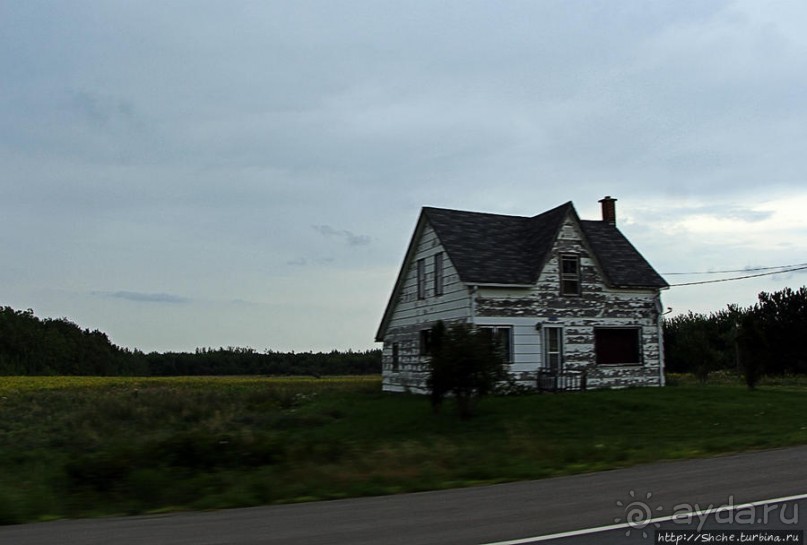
x: 489, y: 514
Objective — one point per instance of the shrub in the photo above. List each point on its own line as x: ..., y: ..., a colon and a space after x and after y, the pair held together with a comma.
x: 466, y: 363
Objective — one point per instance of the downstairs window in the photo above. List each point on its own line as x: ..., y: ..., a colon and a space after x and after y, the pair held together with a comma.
x: 501, y: 339
x: 396, y: 357
x: 617, y: 346
x: 425, y: 342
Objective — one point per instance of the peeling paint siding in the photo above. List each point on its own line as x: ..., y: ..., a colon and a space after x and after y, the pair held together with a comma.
x: 522, y: 309
x: 597, y: 306
x: 411, y: 315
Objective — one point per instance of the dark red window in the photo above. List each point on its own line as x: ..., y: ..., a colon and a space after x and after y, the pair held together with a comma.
x: 617, y: 345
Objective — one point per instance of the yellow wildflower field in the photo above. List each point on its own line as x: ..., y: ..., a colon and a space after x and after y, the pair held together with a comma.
x: 33, y: 383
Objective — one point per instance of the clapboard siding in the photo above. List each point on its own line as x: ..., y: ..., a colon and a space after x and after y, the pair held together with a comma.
x: 528, y: 311
x: 412, y: 315
x: 578, y: 316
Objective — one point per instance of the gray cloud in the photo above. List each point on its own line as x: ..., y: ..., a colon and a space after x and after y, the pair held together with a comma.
x: 101, y: 109
x: 143, y: 297
x: 348, y: 237
x: 306, y: 261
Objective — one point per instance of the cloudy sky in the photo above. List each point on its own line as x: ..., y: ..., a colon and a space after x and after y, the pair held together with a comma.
x: 224, y: 173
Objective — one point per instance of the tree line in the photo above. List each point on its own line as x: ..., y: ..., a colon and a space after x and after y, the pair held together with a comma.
x: 769, y: 337
x: 33, y: 346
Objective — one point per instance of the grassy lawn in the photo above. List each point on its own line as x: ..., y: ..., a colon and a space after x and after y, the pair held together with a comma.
x: 74, y: 447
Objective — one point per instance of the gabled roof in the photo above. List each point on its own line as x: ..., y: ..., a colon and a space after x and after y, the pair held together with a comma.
x: 512, y: 250
x: 623, y: 265
x: 497, y: 249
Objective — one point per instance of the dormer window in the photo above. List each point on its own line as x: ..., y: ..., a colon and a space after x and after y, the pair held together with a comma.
x: 569, y: 274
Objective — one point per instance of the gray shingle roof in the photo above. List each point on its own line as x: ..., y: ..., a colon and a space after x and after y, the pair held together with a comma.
x: 621, y: 262
x: 512, y: 250
x: 498, y: 249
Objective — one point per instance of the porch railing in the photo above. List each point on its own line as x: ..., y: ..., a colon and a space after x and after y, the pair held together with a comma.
x: 561, y: 381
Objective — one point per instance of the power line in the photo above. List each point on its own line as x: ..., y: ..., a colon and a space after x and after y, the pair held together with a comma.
x: 739, y: 277
x: 739, y: 270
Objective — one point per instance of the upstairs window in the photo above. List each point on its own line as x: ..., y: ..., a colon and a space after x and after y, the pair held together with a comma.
x: 421, y: 278
x: 438, y: 274
x: 569, y: 274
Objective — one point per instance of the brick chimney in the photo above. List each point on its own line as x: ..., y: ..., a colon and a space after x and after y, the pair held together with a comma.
x: 608, y: 210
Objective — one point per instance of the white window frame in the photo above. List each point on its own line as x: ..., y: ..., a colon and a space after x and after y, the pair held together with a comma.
x: 548, y: 352
x: 569, y: 277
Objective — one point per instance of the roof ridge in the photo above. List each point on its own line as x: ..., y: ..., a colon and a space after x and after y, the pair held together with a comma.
x: 539, y: 234
x: 567, y: 204
x: 483, y: 245
x: 622, y: 262
x: 470, y: 212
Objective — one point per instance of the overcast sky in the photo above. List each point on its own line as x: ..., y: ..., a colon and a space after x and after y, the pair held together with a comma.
x: 194, y: 173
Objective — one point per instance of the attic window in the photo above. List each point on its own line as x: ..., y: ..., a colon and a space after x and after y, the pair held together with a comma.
x: 569, y: 274
x: 421, y: 278
x: 438, y: 274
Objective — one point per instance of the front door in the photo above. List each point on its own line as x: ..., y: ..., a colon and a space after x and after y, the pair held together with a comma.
x: 553, y: 349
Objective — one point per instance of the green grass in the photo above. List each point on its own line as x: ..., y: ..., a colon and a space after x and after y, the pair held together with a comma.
x: 75, y: 447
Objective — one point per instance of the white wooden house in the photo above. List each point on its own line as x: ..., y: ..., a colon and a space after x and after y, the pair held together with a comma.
x: 565, y: 297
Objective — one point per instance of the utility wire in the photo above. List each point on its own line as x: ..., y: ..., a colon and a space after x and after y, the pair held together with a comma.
x: 739, y: 277
x: 740, y: 270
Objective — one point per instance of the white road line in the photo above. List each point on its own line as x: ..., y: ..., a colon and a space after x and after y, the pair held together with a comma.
x: 622, y: 525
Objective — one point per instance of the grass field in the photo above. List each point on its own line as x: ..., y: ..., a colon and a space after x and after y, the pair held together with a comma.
x: 75, y: 447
